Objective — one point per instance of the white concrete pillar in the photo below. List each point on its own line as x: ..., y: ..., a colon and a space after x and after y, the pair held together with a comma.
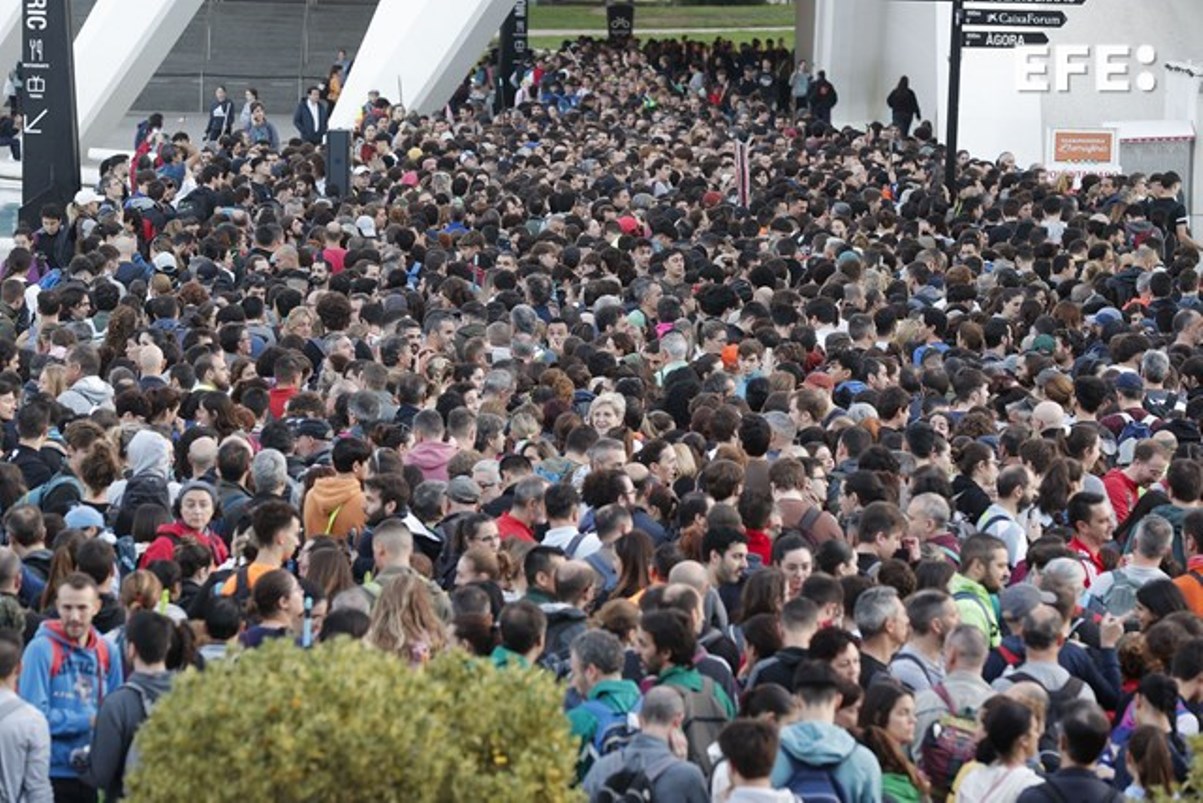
x: 117, y: 51
x: 417, y: 52
x: 10, y: 35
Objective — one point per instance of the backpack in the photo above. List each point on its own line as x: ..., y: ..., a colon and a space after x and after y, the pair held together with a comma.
x: 704, y: 718
x: 1133, y: 432
x: 615, y: 729
x: 948, y: 744
x: 1120, y: 599
x: 1057, y: 702
x: 1163, y: 408
x: 634, y: 785
x: 814, y: 783
x: 905, y: 656
x: 51, y: 279
x: 141, y: 489
x: 132, y: 756
x: 806, y: 525
x: 37, y: 496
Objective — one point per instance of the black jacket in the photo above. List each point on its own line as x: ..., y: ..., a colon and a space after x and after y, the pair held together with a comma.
x: 778, y: 668
x: 1071, y: 784
x: 969, y: 498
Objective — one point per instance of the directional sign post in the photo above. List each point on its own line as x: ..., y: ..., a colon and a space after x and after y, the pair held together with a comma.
x: 1002, y: 40
x: 1015, y: 19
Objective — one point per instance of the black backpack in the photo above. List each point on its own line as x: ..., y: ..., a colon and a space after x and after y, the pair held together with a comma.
x: 141, y: 489
x: 634, y: 785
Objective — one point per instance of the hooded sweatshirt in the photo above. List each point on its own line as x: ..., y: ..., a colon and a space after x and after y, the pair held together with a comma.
x: 822, y: 744
x: 122, y: 713
x: 339, y: 493
x: 618, y: 696
x: 72, y: 697
x: 89, y: 393
x: 564, y: 623
x: 432, y: 458
x: 149, y: 452
x: 170, y: 535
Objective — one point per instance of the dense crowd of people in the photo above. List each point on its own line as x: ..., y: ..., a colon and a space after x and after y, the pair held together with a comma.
x: 862, y: 491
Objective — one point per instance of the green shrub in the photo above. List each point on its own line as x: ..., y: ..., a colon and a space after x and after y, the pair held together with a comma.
x: 342, y: 722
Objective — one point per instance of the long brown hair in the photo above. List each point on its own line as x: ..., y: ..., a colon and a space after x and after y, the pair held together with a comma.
x: 404, y: 617
x: 1150, y: 752
x: 880, y: 699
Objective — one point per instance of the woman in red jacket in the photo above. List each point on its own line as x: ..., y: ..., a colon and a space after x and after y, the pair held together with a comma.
x: 195, y: 508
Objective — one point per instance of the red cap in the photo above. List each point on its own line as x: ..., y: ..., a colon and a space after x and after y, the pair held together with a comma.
x: 819, y: 379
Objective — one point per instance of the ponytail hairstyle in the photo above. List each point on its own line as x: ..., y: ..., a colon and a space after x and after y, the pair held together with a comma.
x: 269, y: 592
x: 1149, y: 752
x: 1005, y: 722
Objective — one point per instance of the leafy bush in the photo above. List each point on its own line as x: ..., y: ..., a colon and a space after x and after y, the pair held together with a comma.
x: 342, y: 722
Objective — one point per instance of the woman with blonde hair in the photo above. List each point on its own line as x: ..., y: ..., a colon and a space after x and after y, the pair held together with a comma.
x: 53, y: 380
x: 404, y: 621
x: 300, y: 322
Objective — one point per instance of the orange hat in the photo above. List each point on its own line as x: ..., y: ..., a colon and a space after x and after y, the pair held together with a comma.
x: 730, y: 355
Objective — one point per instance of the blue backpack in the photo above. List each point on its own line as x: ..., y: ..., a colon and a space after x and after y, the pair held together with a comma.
x: 37, y: 496
x: 51, y: 279
x: 615, y: 729
x: 1133, y: 432
x: 815, y: 784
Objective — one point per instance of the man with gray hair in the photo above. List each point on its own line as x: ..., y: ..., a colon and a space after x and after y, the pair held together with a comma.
x: 962, y: 689
x: 932, y: 615
x: 783, y: 429
x: 928, y: 515
x: 882, y: 621
x: 363, y: 410
x: 675, y: 348
x: 652, y: 750
x: 1116, y: 590
x: 269, y: 477
x: 605, y: 454
x: 487, y: 475
x: 526, y: 510
x: 499, y: 386
x: 608, y: 701
x: 1043, y: 630
x: 1159, y: 400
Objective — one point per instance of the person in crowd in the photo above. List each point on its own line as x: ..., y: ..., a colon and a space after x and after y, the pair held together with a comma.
x: 816, y: 745
x: 816, y: 426
x: 653, y: 750
x: 1084, y: 732
x: 66, y: 673
x: 25, y: 737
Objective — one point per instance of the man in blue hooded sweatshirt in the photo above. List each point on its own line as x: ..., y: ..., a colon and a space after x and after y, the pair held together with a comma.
x: 66, y: 673
x: 815, y: 754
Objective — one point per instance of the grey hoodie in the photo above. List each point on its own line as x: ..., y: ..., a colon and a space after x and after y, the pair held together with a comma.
x: 148, y: 452
x: 120, y: 716
x: 86, y: 395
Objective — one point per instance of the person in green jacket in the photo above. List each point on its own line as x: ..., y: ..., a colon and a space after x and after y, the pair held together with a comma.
x: 606, y: 716
x: 523, y: 631
x: 984, y: 572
